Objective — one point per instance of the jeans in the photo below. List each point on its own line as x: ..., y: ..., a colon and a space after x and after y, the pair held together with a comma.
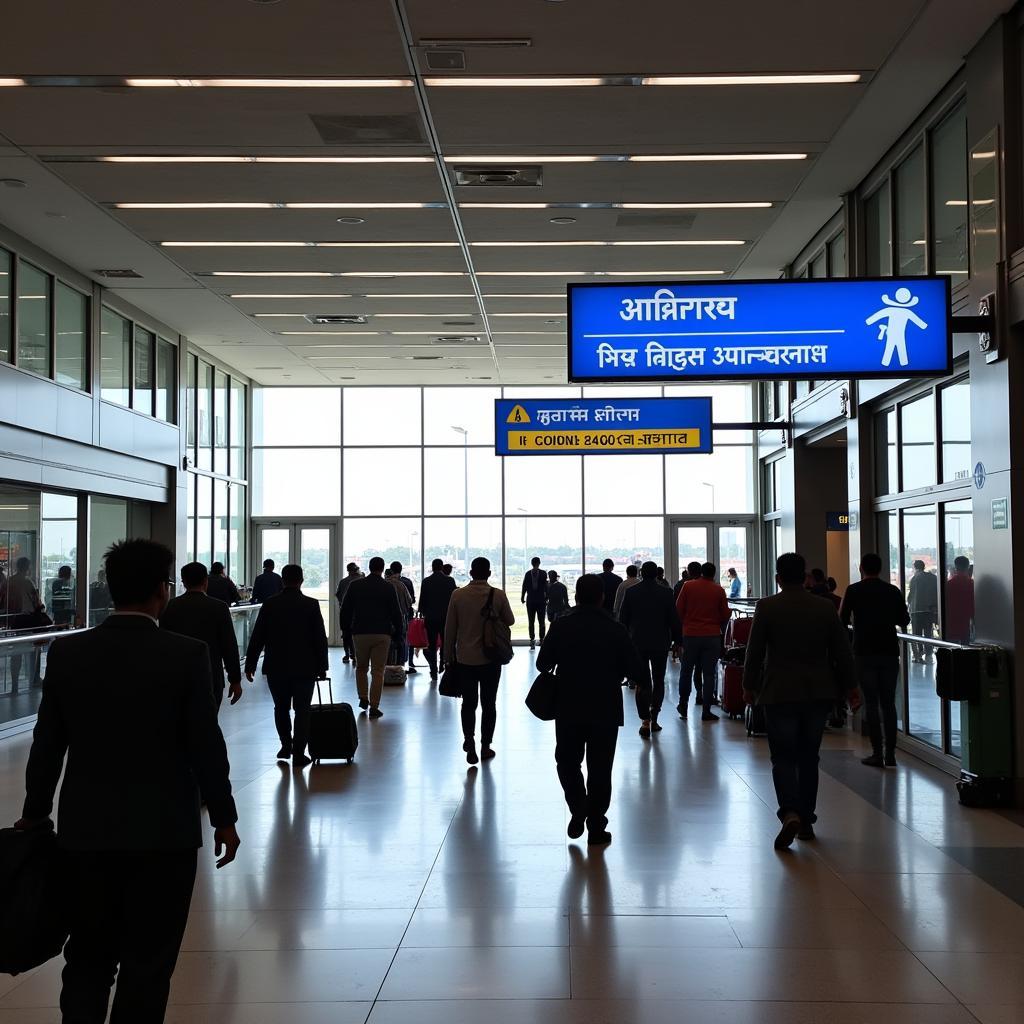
x: 536, y: 612
x: 289, y: 692
x: 479, y: 686
x: 878, y: 676
x: 435, y: 640
x: 650, y: 691
x: 127, y: 915
x: 596, y: 741
x: 700, y: 653
x: 794, y: 739
x: 371, y: 654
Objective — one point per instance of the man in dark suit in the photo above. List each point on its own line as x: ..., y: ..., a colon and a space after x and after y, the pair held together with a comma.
x: 137, y: 758
x: 290, y: 634
x: 267, y: 584
x: 611, y: 581
x: 199, y: 616
x: 799, y: 663
x: 435, y: 594
x: 535, y: 597
x: 649, y: 614
x: 591, y: 654
x: 221, y: 586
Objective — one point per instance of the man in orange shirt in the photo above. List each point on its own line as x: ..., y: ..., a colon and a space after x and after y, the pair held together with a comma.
x: 703, y: 611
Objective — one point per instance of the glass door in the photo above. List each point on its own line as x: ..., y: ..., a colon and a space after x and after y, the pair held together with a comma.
x: 686, y: 541
x: 310, y: 544
x: 726, y: 542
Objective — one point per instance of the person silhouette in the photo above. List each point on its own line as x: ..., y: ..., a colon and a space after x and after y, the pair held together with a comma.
x: 893, y: 319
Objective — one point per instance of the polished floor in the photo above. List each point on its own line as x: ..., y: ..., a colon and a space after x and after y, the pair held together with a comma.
x: 409, y: 888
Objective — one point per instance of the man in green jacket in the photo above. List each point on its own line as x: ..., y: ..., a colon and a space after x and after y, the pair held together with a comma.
x: 799, y: 664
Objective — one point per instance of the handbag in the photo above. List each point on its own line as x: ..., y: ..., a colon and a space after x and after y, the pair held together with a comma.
x: 497, y: 637
x: 417, y: 635
x: 451, y: 681
x: 542, y: 700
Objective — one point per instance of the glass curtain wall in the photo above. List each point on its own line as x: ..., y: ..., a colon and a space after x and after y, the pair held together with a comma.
x: 411, y: 475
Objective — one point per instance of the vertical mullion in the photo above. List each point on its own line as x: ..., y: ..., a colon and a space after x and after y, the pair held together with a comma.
x: 52, y: 281
x: 15, y: 306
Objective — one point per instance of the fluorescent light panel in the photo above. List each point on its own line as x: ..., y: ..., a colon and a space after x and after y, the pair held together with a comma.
x: 844, y: 78
x: 11, y: 82
x: 327, y: 273
x: 623, y: 158
x: 462, y: 273
x: 280, y: 206
x: 132, y: 159
x: 268, y: 83
x: 593, y: 81
x: 552, y: 244
x: 598, y: 273
x: 309, y: 245
x: 618, y: 206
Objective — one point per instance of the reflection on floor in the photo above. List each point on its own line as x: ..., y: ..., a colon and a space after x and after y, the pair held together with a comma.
x: 406, y: 888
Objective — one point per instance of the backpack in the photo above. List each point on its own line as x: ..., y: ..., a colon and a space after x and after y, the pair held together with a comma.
x: 497, y: 637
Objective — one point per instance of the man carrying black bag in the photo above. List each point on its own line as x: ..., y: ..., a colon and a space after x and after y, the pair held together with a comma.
x: 591, y: 654
x: 136, y: 755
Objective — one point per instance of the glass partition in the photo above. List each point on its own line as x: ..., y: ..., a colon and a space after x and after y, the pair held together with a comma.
x: 108, y: 523
x: 72, y: 322
x: 115, y: 357
x: 34, y: 301
x: 6, y: 283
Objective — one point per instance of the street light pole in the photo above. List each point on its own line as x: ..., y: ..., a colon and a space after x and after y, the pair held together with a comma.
x: 465, y: 494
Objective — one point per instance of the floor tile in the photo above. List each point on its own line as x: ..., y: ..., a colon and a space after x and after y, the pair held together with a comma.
x: 800, y: 928
x: 597, y: 932
x: 483, y: 927
x: 980, y: 977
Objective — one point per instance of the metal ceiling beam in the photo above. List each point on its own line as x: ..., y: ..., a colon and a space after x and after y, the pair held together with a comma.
x: 402, y: 19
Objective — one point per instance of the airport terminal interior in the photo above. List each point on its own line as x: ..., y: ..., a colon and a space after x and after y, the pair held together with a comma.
x: 284, y: 279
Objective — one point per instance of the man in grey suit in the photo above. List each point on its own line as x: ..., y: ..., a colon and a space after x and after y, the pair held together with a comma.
x: 135, y: 755
x: 799, y: 664
x: 201, y: 617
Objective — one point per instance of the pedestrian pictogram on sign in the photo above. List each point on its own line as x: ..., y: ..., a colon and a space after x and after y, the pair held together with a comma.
x: 518, y: 415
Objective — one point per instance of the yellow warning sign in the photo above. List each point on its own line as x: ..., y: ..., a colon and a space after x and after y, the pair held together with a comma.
x: 604, y: 440
x: 518, y: 415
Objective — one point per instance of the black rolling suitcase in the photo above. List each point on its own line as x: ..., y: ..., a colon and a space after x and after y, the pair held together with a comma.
x: 332, y: 729
x: 753, y: 716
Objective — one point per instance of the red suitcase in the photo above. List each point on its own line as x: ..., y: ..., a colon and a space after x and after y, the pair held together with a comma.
x: 732, y: 691
x: 738, y: 632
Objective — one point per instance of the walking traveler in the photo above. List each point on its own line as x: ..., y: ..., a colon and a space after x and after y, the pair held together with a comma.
x: 352, y: 572
x: 878, y: 611
x: 558, y: 597
x: 267, y: 584
x: 371, y: 613
x: 406, y: 594
x: 135, y: 761
x: 61, y: 597
x: 798, y: 665
x: 631, y: 580
x: 661, y: 578
x: 590, y: 654
x: 464, y: 646
x: 649, y: 615
x: 703, y: 612
x: 960, y: 602
x: 535, y: 597
x: 611, y: 582
x: 290, y: 634
x: 220, y: 586
x: 199, y: 616
x: 735, y: 585
x: 923, y: 602
x: 435, y: 594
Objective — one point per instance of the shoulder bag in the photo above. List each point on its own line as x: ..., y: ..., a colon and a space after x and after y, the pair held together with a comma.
x: 542, y: 700
x: 451, y: 681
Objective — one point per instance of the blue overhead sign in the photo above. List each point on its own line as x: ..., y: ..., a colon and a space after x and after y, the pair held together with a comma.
x: 602, y: 426
x: 757, y: 330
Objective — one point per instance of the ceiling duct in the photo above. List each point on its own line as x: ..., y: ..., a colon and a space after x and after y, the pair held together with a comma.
x: 499, y: 177
x: 123, y: 273
x: 367, y: 129
x: 492, y: 43
x: 337, y: 319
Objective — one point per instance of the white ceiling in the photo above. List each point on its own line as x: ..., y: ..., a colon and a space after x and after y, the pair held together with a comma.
x: 50, y: 137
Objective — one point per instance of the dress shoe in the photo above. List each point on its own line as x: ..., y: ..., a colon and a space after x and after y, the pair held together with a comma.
x: 300, y: 760
x: 284, y: 753
x: 344, y: 660
x: 791, y: 825
x: 602, y: 838
x: 806, y: 833
x: 708, y: 716
x: 890, y: 760
x: 874, y: 761
x: 576, y: 824
x: 645, y: 730
x: 363, y: 703
x: 654, y: 725
x: 486, y: 753
x: 411, y: 670
x: 681, y: 708
x: 376, y: 713
x: 470, y: 748
x: 533, y: 645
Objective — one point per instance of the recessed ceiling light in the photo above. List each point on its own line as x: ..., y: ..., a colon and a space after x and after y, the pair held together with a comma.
x: 468, y: 82
x: 563, y: 220
x: 132, y: 159
x: 269, y: 83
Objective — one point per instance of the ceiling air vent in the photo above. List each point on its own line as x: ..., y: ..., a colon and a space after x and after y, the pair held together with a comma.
x: 117, y: 274
x: 457, y: 339
x: 458, y: 323
x: 346, y: 129
x: 445, y: 60
x: 467, y: 174
x: 336, y: 319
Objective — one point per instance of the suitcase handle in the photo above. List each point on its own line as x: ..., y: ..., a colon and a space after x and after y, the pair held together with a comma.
x: 330, y: 693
